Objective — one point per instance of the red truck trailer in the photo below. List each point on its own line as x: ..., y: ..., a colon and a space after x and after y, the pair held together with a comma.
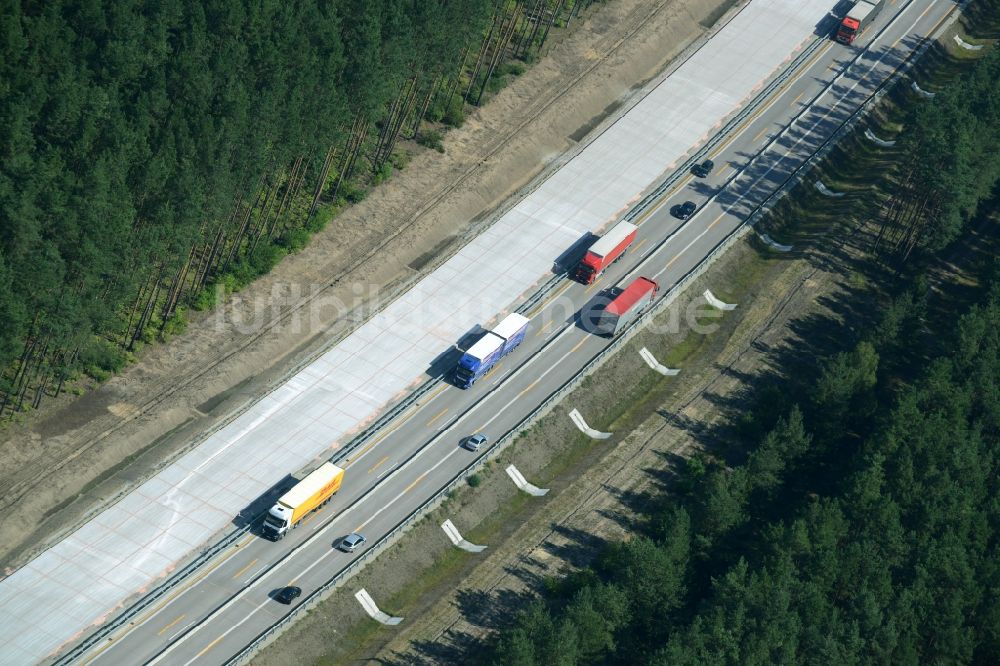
x: 627, y: 305
x: 858, y: 19
x: 605, y: 251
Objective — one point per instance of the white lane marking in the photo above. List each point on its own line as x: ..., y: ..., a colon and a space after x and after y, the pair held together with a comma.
x: 407, y: 489
x: 227, y: 632
x: 540, y: 377
x: 503, y: 376
x: 475, y: 407
x: 387, y: 470
x: 254, y: 574
x: 339, y: 518
x: 805, y: 134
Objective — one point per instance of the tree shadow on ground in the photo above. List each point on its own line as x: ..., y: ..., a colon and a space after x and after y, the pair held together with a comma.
x: 578, y: 548
x: 483, y: 610
x: 451, y: 647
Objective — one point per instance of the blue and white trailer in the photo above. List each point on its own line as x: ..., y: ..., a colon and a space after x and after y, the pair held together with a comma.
x: 512, y: 329
x: 497, y: 343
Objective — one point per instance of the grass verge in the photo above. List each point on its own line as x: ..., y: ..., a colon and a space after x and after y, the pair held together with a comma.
x: 631, y: 392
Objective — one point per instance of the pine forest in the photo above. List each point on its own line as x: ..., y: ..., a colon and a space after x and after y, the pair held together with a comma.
x: 156, y: 154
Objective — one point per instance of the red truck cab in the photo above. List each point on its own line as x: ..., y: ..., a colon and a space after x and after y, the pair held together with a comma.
x: 860, y: 16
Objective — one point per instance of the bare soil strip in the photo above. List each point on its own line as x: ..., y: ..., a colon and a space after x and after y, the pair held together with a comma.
x: 72, y: 457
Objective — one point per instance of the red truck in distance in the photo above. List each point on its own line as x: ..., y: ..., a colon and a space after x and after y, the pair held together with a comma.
x: 635, y: 298
x: 608, y: 249
x: 858, y: 18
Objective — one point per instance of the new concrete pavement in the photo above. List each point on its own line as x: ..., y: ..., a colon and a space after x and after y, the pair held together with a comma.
x: 135, y: 542
x: 220, y: 610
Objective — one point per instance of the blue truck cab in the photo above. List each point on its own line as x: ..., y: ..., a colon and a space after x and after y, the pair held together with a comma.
x: 493, y: 346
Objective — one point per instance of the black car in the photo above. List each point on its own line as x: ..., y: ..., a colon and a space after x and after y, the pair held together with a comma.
x: 288, y: 594
x: 702, y: 170
x: 683, y: 211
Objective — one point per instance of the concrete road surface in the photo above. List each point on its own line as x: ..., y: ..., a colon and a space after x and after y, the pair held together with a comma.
x: 230, y: 602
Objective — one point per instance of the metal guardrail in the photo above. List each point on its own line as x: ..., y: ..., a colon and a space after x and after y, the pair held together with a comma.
x: 727, y: 129
x: 793, y: 179
x: 648, y: 201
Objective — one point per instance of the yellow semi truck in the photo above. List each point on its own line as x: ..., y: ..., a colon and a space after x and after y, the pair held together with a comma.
x: 308, y: 494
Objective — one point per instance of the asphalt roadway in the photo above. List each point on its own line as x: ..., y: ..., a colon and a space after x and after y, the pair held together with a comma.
x: 221, y: 609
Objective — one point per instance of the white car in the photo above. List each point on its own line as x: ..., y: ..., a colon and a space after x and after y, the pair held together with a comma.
x: 352, y: 542
x: 476, y: 442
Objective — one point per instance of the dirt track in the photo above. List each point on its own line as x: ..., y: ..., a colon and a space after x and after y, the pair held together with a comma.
x: 95, y: 447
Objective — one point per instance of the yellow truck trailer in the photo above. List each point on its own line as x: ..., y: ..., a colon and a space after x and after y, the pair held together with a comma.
x: 308, y: 494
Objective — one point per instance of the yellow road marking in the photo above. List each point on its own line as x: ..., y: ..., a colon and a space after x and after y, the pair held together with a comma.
x: 394, y: 426
x: 652, y: 209
x: 308, y: 517
x: 942, y: 19
x: 593, y: 285
x: 377, y: 465
x: 677, y: 256
x: 436, y: 417
x: 179, y: 618
x: 558, y: 292
x: 538, y: 308
x: 794, y: 101
x: 244, y: 569
x: 170, y: 597
x: 578, y: 345
x: 924, y: 13
x: 435, y: 393
x: 211, y: 645
x: 757, y: 114
x: 528, y: 387
x: 366, y: 447
x: 543, y: 328
x: 639, y: 244
x: 760, y: 134
x: 419, y: 479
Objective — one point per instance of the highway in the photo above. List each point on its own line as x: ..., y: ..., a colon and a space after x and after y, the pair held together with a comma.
x: 220, y: 610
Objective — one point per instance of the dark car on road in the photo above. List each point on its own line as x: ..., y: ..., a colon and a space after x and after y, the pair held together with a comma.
x: 288, y: 594
x: 702, y: 170
x: 352, y: 542
x: 683, y: 211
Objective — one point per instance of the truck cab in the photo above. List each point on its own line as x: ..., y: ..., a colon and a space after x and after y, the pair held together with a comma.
x: 858, y: 18
x: 585, y: 273
x: 276, y: 522
x: 304, y: 497
x: 848, y: 30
